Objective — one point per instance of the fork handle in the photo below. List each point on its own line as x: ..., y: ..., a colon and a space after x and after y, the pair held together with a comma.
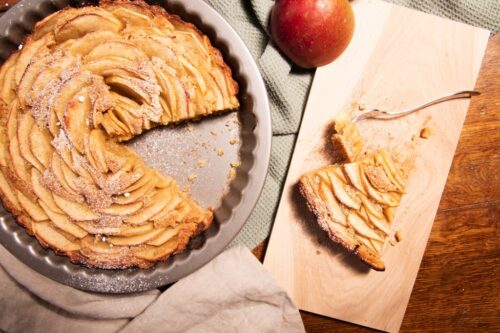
x: 458, y: 95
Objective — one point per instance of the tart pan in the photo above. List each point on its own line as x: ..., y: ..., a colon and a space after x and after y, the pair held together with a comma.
x: 238, y: 141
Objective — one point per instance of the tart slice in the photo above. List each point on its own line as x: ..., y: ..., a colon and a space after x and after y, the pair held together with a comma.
x: 355, y: 202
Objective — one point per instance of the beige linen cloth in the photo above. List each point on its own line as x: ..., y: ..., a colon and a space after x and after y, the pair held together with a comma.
x: 232, y: 293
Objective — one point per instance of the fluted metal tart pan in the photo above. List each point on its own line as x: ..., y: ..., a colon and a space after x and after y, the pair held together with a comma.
x: 208, y: 149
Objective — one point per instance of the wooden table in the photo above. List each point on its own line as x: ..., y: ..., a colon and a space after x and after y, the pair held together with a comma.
x: 458, y: 285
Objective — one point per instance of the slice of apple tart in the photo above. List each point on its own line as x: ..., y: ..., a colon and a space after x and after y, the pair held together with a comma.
x: 85, y: 80
x: 355, y: 202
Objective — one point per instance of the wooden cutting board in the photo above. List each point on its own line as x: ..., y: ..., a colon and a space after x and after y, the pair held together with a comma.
x: 398, y: 58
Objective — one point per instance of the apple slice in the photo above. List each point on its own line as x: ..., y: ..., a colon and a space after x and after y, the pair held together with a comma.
x: 361, y: 227
x: 20, y: 167
x: 32, y: 208
x: 56, y: 168
x: 73, y: 86
x: 117, y: 49
x: 87, y: 43
x: 384, y: 159
x: 97, y: 247
x: 371, y: 207
x: 24, y: 89
x: 129, y: 16
x: 84, y: 24
x: 32, y: 48
x: 134, y: 196
x: 332, y: 204
x: 42, y: 193
x: 76, y: 120
x: 158, y: 202
x: 134, y: 240
x: 165, y: 236
x: 76, y: 211
x: 154, y: 253
x: 7, y: 79
x: 353, y: 173
x: 23, y: 135
x: 390, y: 199
x: 128, y: 231
x: 390, y: 213
x: 346, y: 194
x: 8, y: 192
x: 122, y: 210
x: 97, y: 144
x: 63, y: 222
x: 39, y: 142
x: 49, y: 235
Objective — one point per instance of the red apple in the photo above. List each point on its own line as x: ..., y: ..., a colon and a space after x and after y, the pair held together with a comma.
x: 312, y: 33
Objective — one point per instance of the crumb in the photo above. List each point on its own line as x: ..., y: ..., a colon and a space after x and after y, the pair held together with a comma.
x: 213, y: 132
x: 317, y: 252
x: 232, y: 174
x: 190, y: 128
x: 185, y: 189
x: 425, y: 133
x: 220, y: 152
x: 233, y: 141
x: 413, y: 138
x: 235, y: 164
x: 398, y: 237
x: 192, y: 177
x: 361, y: 106
x: 392, y: 242
x: 202, y: 163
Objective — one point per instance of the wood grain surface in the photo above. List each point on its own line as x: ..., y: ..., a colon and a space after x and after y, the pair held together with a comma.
x: 395, y: 60
x: 458, y: 285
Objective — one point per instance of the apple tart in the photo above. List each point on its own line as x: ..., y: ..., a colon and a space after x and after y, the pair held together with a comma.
x: 355, y: 202
x: 85, y: 80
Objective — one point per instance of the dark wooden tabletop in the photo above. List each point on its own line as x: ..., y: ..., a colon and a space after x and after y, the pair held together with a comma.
x: 458, y: 285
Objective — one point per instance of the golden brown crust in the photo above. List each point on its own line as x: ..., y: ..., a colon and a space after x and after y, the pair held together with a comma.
x: 64, y: 177
x: 316, y: 206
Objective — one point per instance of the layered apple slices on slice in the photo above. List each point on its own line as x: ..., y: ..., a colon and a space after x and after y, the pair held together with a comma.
x: 87, y: 79
x: 355, y: 202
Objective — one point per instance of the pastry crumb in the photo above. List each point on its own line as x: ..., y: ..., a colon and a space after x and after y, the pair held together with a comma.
x: 235, y: 164
x: 317, y: 252
x: 397, y: 236
x: 214, y: 133
x: 192, y: 177
x: 202, y: 163
x: 232, y: 174
x: 233, y: 141
x: 220, y: 152
x: 190, y: 128
x: 361, y: 106
x: 186, y: 189
x: 425, y: 133
x: 392, y: 242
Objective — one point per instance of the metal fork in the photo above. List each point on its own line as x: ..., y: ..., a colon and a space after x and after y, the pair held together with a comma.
x: 387, y: 115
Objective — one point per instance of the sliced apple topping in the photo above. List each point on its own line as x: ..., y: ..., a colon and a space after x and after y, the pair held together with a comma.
x: 87, y: 79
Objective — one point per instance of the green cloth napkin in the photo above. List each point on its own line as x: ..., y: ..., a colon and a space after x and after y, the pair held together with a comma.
x: 288, y: 86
